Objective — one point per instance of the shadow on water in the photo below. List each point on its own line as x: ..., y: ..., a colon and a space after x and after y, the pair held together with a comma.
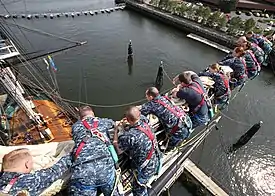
x: 130, y: 62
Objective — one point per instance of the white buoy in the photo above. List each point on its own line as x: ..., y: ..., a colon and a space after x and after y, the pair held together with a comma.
x: 108, y: 11
x: 77, y: 13
x: 85, y: 13
x: 91, y: 13
x: 23, y: 16
x: 111, y: 9
x: 72, y: 14
x: 51, y: 16
x: 58, y: 15
x: 45, y: 15
x: 14, y: 16
x: 102, y: 11
x: 66, y: 14
x: 7, y: 16
x: 36, y: 16
x: 29, y: 16
x: 96, y: 12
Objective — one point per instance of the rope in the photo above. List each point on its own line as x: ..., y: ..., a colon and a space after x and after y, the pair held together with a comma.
x: 111, y: 106
x: 43, y: 33
x: 227, y: 162
x: 234, y: 120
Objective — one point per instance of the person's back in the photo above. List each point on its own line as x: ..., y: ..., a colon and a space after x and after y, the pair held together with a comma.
x: 16, y: 176
x: 251, y: 64
x: 93, y: 167
x: 258, y: 52
x: 175, y: 121
x: 193, y: 93
x: 139, y: 142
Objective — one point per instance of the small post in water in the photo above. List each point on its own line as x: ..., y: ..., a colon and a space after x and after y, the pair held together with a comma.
x: 130, y: 49
x: 159, y: 78
x: 246, y: 137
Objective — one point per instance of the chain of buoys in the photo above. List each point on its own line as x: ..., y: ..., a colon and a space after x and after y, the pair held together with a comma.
x: 64, y: 14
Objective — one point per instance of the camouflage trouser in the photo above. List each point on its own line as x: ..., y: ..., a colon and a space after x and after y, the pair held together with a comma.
x: 106, y: 187
x: 142, y: 177
x: 181, y: 134
x: 198, y: 120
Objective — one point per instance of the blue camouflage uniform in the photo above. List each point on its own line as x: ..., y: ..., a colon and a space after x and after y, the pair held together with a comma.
x: 221, y: 90
x: 138, y: 145
x: 193, y: 99
x: 264, y: 44
x: 251, y: 64
x: 258, y: 52
x: 239, y: 71
x: 94, y: 169
x: 168, y: 119
x: 35, y: 183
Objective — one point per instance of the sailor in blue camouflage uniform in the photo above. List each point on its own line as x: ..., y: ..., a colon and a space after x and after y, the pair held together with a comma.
x: 221, y: 88
x: 16, y: 176
x: 238, y: 64
x: 257, y: 51
x: 138, y: 141
x: 262, y: 42
x: 93, y: 169
x: 176, y: 122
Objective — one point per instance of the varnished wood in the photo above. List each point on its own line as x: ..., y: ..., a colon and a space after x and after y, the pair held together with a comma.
x: 56, y: 121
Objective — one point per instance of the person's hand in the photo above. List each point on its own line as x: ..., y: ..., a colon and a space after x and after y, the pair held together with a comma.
x: 139, y: 107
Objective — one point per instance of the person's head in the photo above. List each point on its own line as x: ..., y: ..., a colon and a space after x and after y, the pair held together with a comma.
x: 214, y: 68
x: 185, y: 78
x: 151, y: 93
x: 132, y: 115
x: 19, y: 160
x: 238, y: 52
x: 241, y: 41
x: 86, y: 111
x: 249, y: 34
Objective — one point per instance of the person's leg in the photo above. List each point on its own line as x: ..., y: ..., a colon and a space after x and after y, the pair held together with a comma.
x: 76, y: 189
x: 111, y: 187
x: 139, y: 185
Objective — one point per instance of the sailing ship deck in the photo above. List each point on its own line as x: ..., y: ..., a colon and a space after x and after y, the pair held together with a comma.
x: 55, y: 119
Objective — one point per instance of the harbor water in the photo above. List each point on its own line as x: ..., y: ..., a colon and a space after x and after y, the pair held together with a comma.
x: 98, y: 73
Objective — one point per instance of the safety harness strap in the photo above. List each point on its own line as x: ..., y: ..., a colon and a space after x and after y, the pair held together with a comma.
x: 7, y: 189
x: 255, y: 60
x: 200, y: 91
x: 226, y: 83
x: 176, y: 111
x: 94, y: 131
x: 245, y: 68
x: 151, y: 137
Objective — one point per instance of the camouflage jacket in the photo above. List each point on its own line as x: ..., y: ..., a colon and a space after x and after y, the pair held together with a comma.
x: 137, y: 145
x: 35, y: 182
x: 219, y: 86
x: 237, y: 65
x: 94, y: 158
x: 166, y: 117
x: 251, y: 65
x: 258, y: 52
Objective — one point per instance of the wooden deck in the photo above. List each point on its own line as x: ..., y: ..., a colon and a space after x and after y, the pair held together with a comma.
x: 55, y: 119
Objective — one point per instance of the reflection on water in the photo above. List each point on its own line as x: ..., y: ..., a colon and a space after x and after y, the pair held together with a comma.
x: 130, y: 61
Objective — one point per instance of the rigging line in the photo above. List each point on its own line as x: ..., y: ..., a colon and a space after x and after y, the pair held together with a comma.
x: 43, y: 32
x: 234, y: 120
x: 80, y: 88
x: 15, y: 24
x: 232, y: 176
x: 111, y: 106
x: 85, y: 88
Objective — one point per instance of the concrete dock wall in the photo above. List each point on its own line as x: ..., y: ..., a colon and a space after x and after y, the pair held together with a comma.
x: 182, y: 23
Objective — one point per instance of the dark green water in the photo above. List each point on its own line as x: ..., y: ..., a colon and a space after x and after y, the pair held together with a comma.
x: 98, y: 73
